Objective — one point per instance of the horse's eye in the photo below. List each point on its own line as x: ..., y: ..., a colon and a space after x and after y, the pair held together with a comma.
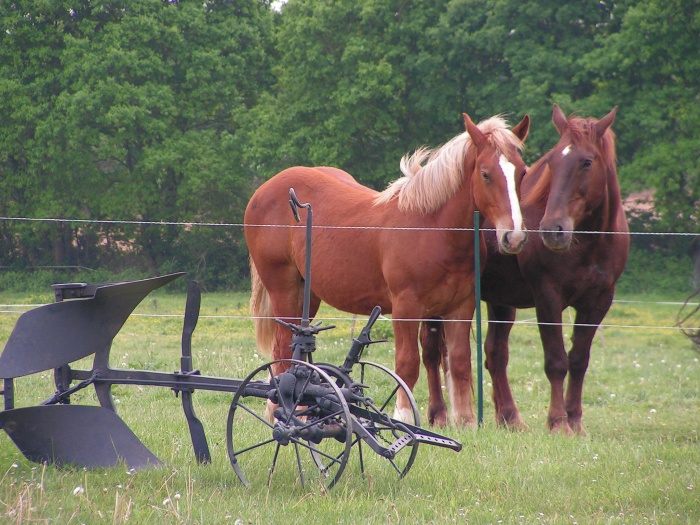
x: 485, y: 176
x: 587, y: 163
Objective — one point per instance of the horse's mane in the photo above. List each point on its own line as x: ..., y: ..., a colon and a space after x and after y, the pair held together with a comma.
x: 579, y: 130
x: 432, y: 176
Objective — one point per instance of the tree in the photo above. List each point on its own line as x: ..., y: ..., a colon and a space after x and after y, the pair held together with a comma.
x: 519, y: 57
x: 348, y: 89
x: 137, y: 115
x: 652, y: 69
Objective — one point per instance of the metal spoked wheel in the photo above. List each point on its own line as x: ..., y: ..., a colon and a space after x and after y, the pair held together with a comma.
x: 311, y: 415
x: 382, y: 386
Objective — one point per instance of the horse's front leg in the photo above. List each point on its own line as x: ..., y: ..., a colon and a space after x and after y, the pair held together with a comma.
x: 460, y: 366
x: 407, y: 363
x: 432, y: 341
x: 556, y: 362
x: 587, y: 322
x: 497, y: 354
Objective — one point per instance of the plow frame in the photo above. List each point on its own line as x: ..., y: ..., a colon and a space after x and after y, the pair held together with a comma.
x: 315, y: 403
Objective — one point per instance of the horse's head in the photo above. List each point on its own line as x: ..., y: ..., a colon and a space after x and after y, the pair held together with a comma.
x: 498, y: 171
x: 578, y: 167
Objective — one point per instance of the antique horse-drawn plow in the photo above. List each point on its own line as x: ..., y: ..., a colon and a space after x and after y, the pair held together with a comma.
x: 321, y: 413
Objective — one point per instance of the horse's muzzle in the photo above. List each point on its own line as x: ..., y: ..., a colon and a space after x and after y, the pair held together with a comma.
x: 511, y: 242
x: 557, y: 235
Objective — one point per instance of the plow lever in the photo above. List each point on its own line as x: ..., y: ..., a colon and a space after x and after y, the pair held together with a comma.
x: 361, y: 342
x: 199, y: 438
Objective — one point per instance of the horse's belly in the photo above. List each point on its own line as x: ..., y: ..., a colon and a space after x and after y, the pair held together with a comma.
x: 348, y: 290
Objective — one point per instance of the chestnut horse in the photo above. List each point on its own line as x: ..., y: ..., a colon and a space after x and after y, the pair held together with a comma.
x: 408, y: 249
x: 572, y: 195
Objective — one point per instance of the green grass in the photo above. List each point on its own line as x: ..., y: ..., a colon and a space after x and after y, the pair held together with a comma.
x: 640, y: 463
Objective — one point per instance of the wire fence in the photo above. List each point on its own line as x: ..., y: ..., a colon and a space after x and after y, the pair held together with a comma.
x: 321, y: 226
x: 18, y: 309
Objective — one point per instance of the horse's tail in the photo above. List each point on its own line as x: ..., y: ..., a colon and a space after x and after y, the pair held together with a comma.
x: 261, y: 310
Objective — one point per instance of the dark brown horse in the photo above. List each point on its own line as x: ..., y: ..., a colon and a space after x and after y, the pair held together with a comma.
x: 409, y: 249
x: 572, y: 196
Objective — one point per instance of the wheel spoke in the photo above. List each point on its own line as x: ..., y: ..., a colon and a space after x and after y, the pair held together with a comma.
x: 299, y: 466
x: 384, y: 385
x: 273, y: 465
x: 253, y: 441
x: 389, y: 399
x: 253, y: 447
x: 253, y: 413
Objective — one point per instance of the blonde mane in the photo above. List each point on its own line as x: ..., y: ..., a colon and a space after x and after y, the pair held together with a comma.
x: 432, y: 176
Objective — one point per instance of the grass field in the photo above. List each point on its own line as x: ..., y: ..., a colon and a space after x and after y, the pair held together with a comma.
x: 640, y: 463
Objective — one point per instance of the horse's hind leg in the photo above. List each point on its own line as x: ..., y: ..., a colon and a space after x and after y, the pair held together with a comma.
x: 432, y: 340
x: 289, y: 308
x: 460, y: 365
x: 497, y: 355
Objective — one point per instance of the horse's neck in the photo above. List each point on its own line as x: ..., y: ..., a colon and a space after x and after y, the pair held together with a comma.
x: 457, y: 212
x: 463, y: 204
x: 535, y: 192
x: 604, y: 218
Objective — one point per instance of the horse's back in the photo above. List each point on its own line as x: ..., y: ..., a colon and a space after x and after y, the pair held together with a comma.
x: 323, y: 186
x: 346, y: 249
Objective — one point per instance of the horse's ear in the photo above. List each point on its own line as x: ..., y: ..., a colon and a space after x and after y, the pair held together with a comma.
x: 478, y: 138
x: 559, y: 119
x: 522, y: 129
x: 603, y: 124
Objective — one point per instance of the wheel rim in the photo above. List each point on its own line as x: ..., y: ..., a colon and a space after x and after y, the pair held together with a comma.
x: 384, y: 398
x: 383, y: 386
x: 277, y: 452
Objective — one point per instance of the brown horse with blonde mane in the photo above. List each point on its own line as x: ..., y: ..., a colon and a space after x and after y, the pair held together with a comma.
x: 408, y: 249
x: 572, y: 196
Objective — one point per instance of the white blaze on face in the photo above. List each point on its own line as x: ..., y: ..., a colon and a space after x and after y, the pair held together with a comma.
x: 509, y: 171
x: 566, y: 151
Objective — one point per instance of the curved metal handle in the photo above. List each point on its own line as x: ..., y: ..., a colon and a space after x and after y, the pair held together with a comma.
x: 295, y: 204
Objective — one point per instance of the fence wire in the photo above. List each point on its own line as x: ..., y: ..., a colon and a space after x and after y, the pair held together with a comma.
x: 18, y: 309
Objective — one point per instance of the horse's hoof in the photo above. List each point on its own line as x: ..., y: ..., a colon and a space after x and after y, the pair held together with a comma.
x: 517, y: 426
x: 561, y: 426
x: 438, y: 419
x: 465, y: 421
x: 511, y: 420
x: 405, y: 415
x: 578, y: 428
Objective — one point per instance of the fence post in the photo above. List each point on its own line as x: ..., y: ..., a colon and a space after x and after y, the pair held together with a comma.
x: 477, y: 311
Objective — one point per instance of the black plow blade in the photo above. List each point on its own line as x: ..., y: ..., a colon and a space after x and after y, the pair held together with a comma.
x: 84, y: 436
x: 57, y: 334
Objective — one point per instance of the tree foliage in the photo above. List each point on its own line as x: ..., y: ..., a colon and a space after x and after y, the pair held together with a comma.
x: 134, y: 114
x: 130, y: 111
